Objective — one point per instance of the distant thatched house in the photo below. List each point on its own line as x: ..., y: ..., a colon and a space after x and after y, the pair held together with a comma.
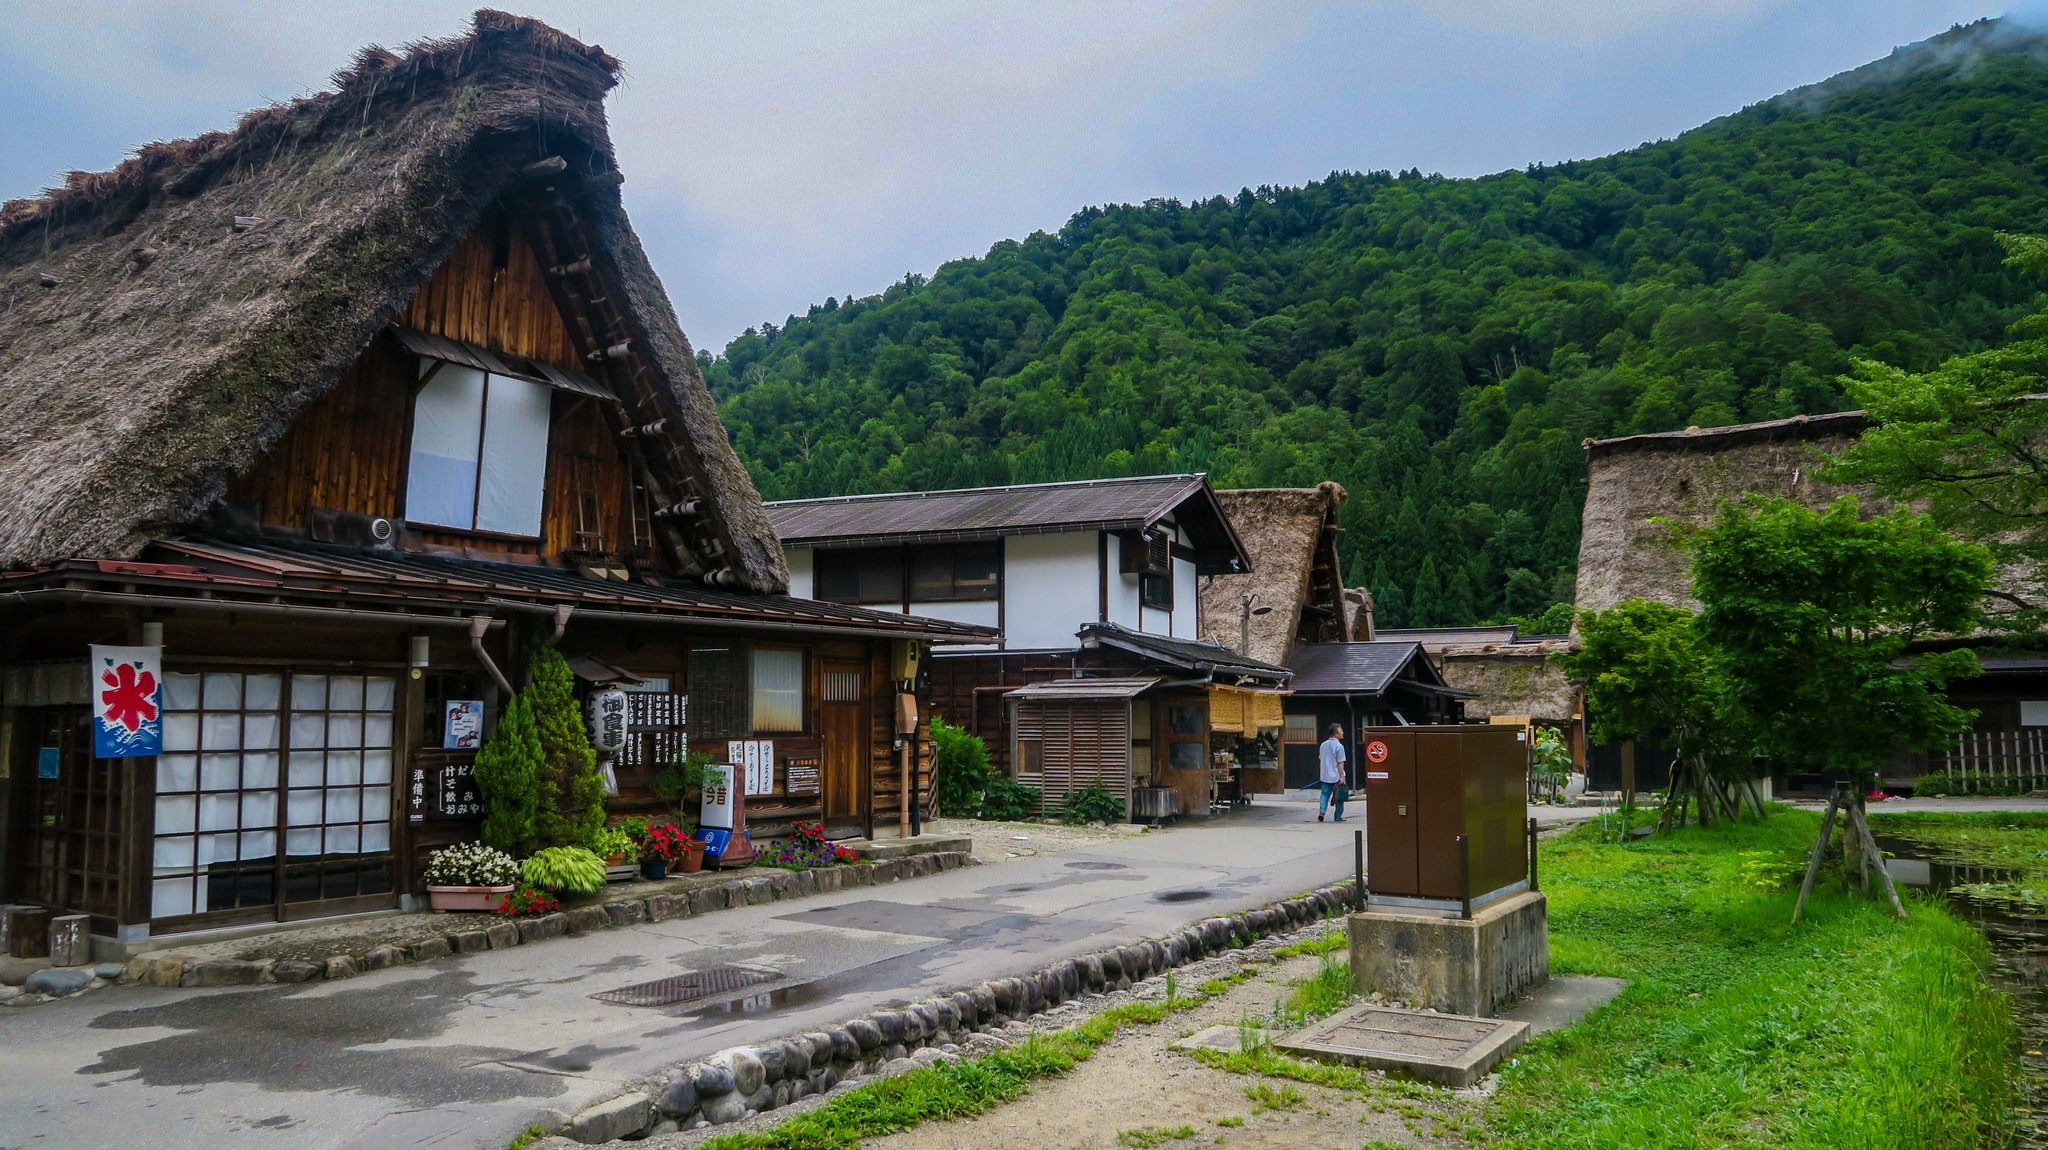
x: 334, y: 414
x: 1295, y: 591
x: 1683, y: 476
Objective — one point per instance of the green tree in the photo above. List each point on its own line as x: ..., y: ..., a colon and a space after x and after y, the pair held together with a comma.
x: 572, y: 791
x: 960, y: 767
x: 1813, y: 615
x: 508, y: 774
x: 1964, y: 441
x: 1650, y: 680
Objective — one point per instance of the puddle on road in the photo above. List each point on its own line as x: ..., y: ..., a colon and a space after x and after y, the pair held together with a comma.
x: 1182, y: 896
x: 761, y: 1003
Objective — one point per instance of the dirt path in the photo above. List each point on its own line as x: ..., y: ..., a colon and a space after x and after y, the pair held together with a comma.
x: 1135, y: 1085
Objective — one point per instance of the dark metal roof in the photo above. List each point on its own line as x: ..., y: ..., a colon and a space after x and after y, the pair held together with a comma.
x: 1221, y: 663
x: 1085, y: 688
x: 271, y: 571
x: 1365, y: 669
x: 1027, y: 509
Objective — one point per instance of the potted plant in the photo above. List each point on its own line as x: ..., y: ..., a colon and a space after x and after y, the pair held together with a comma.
x: 564, y: 869
x: 615, y: 846
x: 676, y: 848
x: 470, y: 876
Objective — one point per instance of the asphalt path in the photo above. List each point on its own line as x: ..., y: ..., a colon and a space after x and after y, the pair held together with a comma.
x: 466, y: 1051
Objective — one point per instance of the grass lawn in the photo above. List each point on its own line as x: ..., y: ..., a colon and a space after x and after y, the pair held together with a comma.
x: 1740, y: 1029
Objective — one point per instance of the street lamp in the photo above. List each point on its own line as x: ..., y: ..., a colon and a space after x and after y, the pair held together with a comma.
x: 1244, y: 636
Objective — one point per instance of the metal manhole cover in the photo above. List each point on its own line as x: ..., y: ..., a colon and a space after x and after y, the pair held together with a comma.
x: 686, y: 986
x: 1450, y: 1049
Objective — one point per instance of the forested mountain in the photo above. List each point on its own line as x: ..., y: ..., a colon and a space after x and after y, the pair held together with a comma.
x: 1439, y: 346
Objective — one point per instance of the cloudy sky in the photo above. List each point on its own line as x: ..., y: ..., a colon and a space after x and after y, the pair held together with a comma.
x: 778, y: 152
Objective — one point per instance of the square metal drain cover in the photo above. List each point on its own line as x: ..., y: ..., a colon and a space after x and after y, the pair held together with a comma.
x: 1448, y: 1048
x: 686, y: 986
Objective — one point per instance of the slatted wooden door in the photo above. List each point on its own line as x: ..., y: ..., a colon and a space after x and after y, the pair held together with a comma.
x: 844, y: 702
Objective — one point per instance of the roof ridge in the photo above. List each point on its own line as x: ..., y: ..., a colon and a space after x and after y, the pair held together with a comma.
x: 879, y: 495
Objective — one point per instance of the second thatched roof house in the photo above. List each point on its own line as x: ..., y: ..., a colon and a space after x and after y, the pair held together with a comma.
x: 325, y: 421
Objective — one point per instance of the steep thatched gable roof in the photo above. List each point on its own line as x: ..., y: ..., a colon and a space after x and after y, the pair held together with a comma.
x: 1289, y: 534
x: 166, y: 320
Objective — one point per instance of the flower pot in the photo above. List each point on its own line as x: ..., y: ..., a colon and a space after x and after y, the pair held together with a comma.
x: 484, y: 898
x: 694, y: 861
x: 616, y: 858
x: 653, y: 868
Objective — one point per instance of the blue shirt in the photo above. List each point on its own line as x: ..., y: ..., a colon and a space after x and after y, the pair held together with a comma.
x: 1333, y: 760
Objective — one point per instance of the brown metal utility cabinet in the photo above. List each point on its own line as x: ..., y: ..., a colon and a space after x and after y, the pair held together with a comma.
x: 1424, y: 787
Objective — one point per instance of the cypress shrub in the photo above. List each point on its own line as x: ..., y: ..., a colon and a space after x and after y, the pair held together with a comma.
x: 572, y: 790
x: 960, y: 767
x: 508, y: 769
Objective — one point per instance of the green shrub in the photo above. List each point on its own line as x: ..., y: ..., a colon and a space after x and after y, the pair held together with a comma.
x: 1003, y: 799
x: 1091, y: 804
x: 1936, y: 784
x: 960, y: 768
x: 572, y: 790
x: 613, y: 841
x: 508, y: 776
x: 564, y: 868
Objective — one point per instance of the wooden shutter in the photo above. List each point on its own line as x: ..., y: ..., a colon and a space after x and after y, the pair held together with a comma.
x: 721, y: 692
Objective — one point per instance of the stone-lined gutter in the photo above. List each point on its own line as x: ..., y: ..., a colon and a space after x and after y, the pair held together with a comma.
x: 744, y: 1081
x: 751, y: 888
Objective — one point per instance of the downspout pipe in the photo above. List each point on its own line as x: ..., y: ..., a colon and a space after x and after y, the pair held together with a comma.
x: 478, y: 625
x: 562, y: 613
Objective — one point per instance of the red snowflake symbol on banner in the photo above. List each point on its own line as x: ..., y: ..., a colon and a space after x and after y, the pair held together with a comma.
x: 130, y: 700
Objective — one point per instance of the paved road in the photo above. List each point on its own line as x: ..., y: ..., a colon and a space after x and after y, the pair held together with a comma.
x: 463, y: 1052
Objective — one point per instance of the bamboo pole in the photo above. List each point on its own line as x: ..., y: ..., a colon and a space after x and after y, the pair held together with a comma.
x: 1872, y: 857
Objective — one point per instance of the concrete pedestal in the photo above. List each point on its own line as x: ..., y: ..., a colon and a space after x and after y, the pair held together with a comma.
x: 1456, y: 966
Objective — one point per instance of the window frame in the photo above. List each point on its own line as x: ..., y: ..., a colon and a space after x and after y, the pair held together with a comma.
x: 950, y: 555
x: 429, y: 368
x: 835, y: 557
x: 754, y: 688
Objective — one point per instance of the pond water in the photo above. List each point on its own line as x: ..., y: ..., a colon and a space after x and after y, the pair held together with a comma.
x: 2019, y: 944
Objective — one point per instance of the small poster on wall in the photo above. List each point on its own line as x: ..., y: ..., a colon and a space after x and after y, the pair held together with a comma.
x: 464, y: 730
x: 127, y: 701
x: 753, y: 761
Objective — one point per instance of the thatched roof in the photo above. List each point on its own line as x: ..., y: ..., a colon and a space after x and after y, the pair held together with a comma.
x: 1512, y: 679
x: 166, y: 320
x: 1289, y: 533
x: 1684, y: 476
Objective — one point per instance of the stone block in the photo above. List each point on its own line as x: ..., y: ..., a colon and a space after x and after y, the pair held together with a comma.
x: 761, y: 890
x: 806, y: 883
x: 383, y: 957
x: 545, y: 926
x: 584, y: 919
x: 228, y: 972
x: 503, y: 934
x: 427, y: 948
x: 662, y: 907
x: 829, y: 879
x: 626, y: 912
x: 472, y: 941
x: 607, y: 1121
x: 70, y: 940
x: 949, y: 860
x: 735, y: 892
x: 296, y: 970
x: 1456, y: 966
x: 110, y: 971
x: 341, y: 966
x: 706, y: 899
x: 783, y: 884
x: 57, y: 982
x: 158, y: 969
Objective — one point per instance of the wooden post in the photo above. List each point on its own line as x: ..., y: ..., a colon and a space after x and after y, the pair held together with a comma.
x: 1820, y: 846
x: 1873, y: 858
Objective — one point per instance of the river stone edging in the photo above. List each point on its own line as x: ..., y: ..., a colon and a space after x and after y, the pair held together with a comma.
x: 743, y: 1082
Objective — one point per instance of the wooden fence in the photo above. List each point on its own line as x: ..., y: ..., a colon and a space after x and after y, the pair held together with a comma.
x: 2000, y: 760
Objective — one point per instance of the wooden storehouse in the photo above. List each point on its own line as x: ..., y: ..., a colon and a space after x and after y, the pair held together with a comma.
x: 342, y: 410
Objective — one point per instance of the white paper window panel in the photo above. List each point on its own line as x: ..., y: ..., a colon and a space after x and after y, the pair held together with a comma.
x: 513, y: 477
x: 377, y: 766
x: 302, y: 808
x: 447, y: 430
x: 309, y: 692
x: 344, y: 805
x: 220, y: 812
x: 259, y: 808
x: 376, y: 837
x: 177, y: 773
x: 376, y: 804
x: 220, y: 771
x: 170, y: 896
x: 173, y: 853
x: 299, y: 842
x: 261, y: 692
x: 223, y: 692
x: 259, y: 770
x: 176, y: 814
x: 343, y: 731
x: 379, y: 692
x: 308, y: 769
x: 2034, y: 712
x: 345, y: 693
x: 259, y: 732
x: 309, y: 729
x: 344, y: 768
x: 220, y: 731
x: 181, y: 731
x: 778, y: 690
x: 181, y: 691
x: 346, y: 840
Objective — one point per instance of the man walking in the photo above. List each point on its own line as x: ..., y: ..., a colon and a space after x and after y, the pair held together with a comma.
x: 1331, y: 754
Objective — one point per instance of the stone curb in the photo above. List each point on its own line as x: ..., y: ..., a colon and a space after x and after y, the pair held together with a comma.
x: 770, y: 885
x: 742, y: 1082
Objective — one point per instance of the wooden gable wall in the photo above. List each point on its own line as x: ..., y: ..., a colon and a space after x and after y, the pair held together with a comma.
x: 347, y: 450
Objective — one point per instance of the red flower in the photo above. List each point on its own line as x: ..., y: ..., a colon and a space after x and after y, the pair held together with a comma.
x: 130, y: 701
